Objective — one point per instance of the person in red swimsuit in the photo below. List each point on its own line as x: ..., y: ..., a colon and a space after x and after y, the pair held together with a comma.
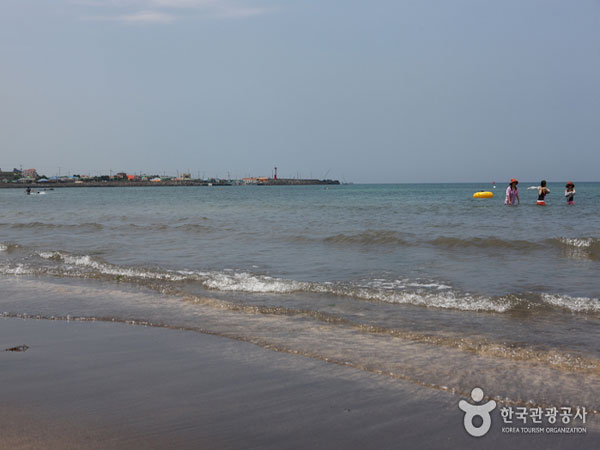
x: 542, y: 191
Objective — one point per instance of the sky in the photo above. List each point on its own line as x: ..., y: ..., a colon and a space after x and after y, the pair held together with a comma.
x: 361, y: 91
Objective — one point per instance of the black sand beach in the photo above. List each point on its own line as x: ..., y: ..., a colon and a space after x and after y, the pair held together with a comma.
x: 109, y: 385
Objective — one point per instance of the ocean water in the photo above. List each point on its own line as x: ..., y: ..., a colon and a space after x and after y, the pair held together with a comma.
x: 419, y: 282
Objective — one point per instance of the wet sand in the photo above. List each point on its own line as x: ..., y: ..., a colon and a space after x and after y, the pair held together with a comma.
x: 108, y: 385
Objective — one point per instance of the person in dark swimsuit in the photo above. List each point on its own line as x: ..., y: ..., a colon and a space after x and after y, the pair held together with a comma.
x: 542, y: 191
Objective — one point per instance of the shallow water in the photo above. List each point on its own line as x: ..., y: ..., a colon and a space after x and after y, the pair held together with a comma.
x: 403, y: 278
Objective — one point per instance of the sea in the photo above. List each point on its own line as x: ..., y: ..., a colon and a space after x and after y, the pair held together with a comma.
x: 414, y: 282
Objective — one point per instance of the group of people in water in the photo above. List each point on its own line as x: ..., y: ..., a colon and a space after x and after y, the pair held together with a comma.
x: 512, y: 193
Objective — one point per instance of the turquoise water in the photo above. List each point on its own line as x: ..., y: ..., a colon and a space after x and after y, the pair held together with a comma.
x: 300, y: 267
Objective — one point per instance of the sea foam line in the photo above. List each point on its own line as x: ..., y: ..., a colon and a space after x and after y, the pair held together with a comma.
x: 108, y: 269
x: 423, y: 295
x: 578, y: 242
x: 426, y: 294
x: 579, y: 304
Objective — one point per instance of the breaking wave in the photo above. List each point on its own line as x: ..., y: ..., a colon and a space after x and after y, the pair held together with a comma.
x: 578, y: 304
x: 17, y: 269
x: 578, y: 242
x: 418, y: 292
x: 102, y: 268
x: 583, y: 248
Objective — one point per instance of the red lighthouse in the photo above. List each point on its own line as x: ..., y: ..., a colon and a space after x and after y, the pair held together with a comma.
x: 275, y: 176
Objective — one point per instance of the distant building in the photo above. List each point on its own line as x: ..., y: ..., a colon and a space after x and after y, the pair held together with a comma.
x: 254, y: 180
x: 30, y: 173
x: 15, y: 174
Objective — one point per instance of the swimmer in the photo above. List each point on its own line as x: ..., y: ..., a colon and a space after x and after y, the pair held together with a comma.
x: 28, y: 190
x: 542, y: 191
x: 570, y: 193
x: 512, y: 193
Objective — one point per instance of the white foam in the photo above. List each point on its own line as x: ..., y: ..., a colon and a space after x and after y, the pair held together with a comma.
x: 386, y: 292
x: 3, y: 247
x: 578, y: 242
x: 381, y: 283
x: 245, y: 282
x: 19, y: 269
x: 108, y: 269
x: 579, y: 304
x: 424, y: 293
x: 429, y: 285
x: 447, y: 300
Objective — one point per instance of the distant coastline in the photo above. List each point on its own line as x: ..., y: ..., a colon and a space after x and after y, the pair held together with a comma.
x: 127, y: 183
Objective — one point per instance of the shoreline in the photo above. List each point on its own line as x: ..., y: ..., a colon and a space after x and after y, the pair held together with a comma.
x: 113, y: 385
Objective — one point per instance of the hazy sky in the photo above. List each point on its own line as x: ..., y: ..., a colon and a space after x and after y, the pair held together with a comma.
x: 388, y: 91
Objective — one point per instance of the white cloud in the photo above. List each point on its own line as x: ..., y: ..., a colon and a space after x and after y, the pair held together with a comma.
x: 239, y: 11
x: 186, y: 3
x: 146, y: 17
x: 167, y: 11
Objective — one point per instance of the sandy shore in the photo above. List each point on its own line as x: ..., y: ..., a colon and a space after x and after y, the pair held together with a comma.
x: 109, y: 385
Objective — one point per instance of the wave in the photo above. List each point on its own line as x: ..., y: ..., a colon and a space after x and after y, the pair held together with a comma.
x: 8, y: 247
x: 101, y: 268
x: 582, y: 248
x: 53, y: 226
x: 423, y: 295
x: 17, y: 269
x: 92, y: 227
x: 417, y: 292
x: 584, y: 242
x: 369, y: 237
x: 194, y: 228
x: 245, y: 282
x: 161, y: 227
x: 489, y: 242
x: 578, y: 304
x: 427, y: 294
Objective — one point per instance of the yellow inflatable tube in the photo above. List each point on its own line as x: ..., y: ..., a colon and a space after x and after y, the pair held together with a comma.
x: 483, y: 194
